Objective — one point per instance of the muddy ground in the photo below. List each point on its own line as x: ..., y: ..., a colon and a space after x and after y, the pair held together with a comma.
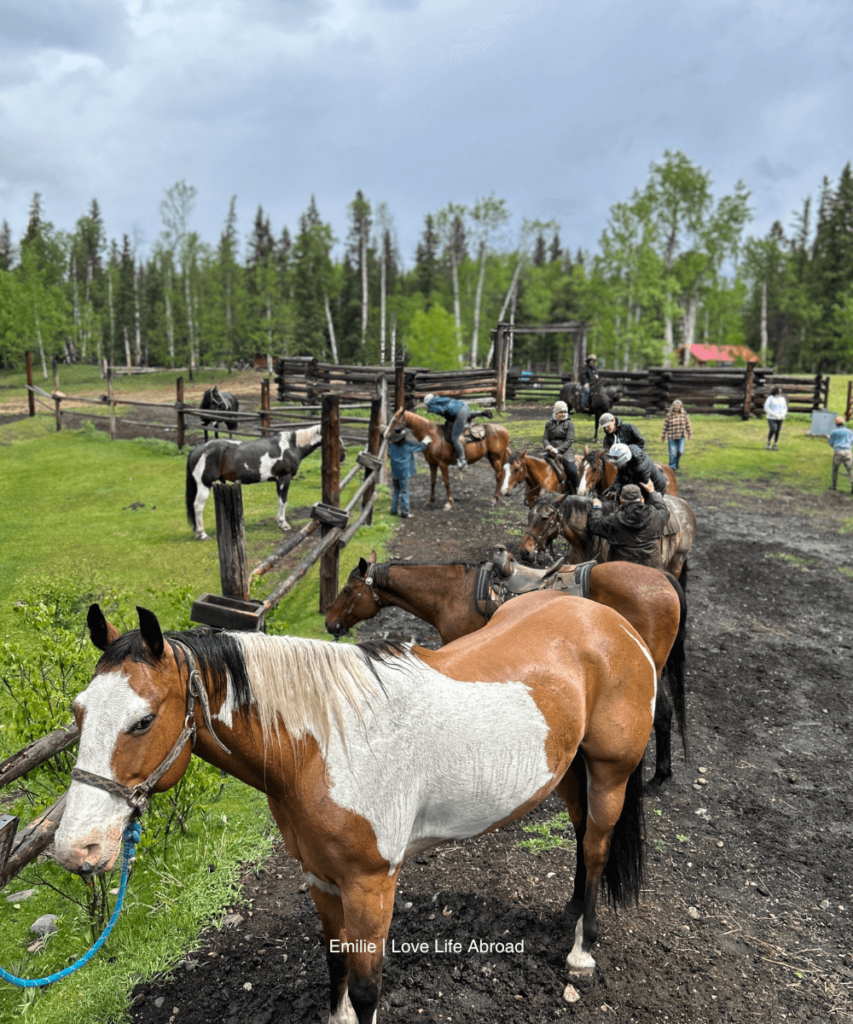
x: 746, y: 913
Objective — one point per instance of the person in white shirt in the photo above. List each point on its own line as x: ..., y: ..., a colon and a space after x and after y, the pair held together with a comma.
x: 775, y: 409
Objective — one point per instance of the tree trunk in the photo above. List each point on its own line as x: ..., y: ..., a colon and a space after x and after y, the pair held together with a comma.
x: 331, y: 325
x: 763, y: 323
x: 76, y: 299
x: 392, y: 355
x: 364, y: 305
x: 137, y: 338
x: 127, y: 357
x: 41, y: 346
x: 508, y: 297
x: 475, y: 339
x: 382, y: 287
x: 190, y: 332
x: 112, y: 317
x: 457, y: 313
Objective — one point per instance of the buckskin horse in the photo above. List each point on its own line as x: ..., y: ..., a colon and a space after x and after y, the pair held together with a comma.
x: 249, y: 462
x: 369, y: 753
x: 219, y: 401
x: 457, y: 600
x: 597, y: 473
x: 550, y: 517
x: 494, y: 445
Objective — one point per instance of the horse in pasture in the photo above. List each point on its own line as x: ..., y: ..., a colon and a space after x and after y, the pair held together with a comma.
x: 494, y: 445
x: 221, y: 402
x: 539, y: 475
x: 374, y: 752
x: 452, y: 598
x: 597, y: 473
x: 601, y: 399
x: 248, y: 462
x: 551, y: 516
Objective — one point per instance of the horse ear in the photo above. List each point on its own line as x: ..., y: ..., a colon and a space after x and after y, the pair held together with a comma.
x: 152, y: 635
x: 362, y: 567
x: 586, y: 449
x: 372, y: 559
x: 103, y: 633
x: 215, y: 390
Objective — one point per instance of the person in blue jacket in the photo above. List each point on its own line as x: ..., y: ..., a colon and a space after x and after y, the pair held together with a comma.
x: 458, y: 413
x: 402, y: 453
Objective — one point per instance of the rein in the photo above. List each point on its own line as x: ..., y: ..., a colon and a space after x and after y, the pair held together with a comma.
x: 366, y: 581
x: 137, y: 796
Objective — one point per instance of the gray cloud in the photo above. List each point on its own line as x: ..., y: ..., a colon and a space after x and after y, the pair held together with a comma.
x: 96, y: 27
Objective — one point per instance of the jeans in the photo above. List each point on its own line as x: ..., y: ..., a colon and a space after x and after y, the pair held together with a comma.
x: 773, y: 428
x: 401, y: 496
x: 676, y: 450
x: 843, y: 458
x: 459, y: 425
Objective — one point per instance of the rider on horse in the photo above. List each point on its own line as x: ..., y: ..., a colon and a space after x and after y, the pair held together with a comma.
x: 589, y: 376
x: 457, y: 413
x: 633, y: 531
x: 557, y: 441
x: 618, y: 431
x: 634, y: 467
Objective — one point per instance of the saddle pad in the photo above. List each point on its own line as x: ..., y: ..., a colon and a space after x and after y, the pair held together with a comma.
x: 673, y: 524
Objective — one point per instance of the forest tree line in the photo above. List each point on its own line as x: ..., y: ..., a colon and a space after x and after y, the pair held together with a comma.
x: 673, y: 267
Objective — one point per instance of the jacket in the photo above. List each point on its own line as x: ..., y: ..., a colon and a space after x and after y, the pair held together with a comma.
x: 639, y: 470
x: 633, y: 531
x: 402, y: 458
x: 676, y: 425
x: 841, y: 439
x: 449, y: 408
x: 776, y: 407
x: 625, y: 433
x: 560, y: 434
x: 588, y: 375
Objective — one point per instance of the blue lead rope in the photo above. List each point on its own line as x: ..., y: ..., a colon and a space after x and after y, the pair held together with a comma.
x: 131, y: 837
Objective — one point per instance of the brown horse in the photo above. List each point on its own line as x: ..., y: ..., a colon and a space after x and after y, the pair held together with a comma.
x: 440, y: 454
x: 371, y: 753
x: 446, y: 597
x: 551, y: 516
x: 539, y: 475
x: 598, y: 473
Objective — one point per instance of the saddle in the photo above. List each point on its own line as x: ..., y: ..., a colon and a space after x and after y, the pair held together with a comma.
x: 473, y: 432
x: 503, y: 578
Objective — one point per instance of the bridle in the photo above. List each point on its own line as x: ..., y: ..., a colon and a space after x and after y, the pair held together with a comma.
x: 137, y: 796
x: 366, y: 581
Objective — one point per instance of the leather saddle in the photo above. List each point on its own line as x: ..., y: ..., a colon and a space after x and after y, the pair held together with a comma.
x: 503, y: 578
x: 473, y: 432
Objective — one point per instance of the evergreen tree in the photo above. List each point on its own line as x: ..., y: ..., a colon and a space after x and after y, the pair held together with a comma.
x: 540, y: 250
x: 554, y: 250
x: 312, y: 274
x: 7, y: 248
x: 426, y: 260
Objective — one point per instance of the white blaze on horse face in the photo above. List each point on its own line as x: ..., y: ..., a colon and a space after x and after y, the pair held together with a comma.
x: 441, y: 759
x: 648, y: 658
x: 94, y: 818
x: 507, y: 471
x: 583, y: 486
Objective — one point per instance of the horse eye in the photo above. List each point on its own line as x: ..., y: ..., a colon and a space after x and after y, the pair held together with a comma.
x: 143, y: 725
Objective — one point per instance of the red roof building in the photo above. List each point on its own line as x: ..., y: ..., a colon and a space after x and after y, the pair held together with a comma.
x: 702, y: 354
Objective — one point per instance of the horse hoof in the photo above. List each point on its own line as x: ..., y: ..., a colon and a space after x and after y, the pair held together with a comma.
x: 448, y: 506
x: 582, y: 972
x: 202, y: 536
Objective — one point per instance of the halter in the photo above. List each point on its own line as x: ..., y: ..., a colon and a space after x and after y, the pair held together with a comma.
x: 366, y: 581
x: 137, y: 796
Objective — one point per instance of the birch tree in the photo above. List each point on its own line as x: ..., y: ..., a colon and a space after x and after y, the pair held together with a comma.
x: 488, y: 216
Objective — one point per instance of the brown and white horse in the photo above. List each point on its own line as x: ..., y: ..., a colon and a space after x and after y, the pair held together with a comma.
x: 373, y: 752
x: 440, y: 454
x: 597, y: 473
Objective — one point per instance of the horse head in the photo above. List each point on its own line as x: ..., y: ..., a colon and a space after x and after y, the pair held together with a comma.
x: 132, y: 717
x: 543, y: 525
x: 356, y: 601
x: 514, y: 471
x: 592, y: 473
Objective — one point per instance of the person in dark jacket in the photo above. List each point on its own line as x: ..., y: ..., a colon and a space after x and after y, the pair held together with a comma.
x: 456, y: 412
x: 401, y: 453
x: 557, y: 441
x: 618, y: 431
x: 588, y: 377
x: 634, y: 467
x: 633, y: 531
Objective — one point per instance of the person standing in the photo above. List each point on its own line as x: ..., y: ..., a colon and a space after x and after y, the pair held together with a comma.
x: 633, y: 531
x: 402, y: 456
x: 676, y: 431
x: 558, y: 439
x: 841, y: 440
x: 775, y: 409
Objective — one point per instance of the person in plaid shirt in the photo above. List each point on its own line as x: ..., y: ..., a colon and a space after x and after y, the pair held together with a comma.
x: 676, y: 430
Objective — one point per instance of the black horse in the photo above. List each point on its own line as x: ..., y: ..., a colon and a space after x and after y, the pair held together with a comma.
x: 600, y: 399
x: 222, y: 402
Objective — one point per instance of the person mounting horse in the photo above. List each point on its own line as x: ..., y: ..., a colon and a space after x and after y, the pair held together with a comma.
x: 633, y: 530
x: 633, y: 466
x: 458, y: 414
x: 557, y: 441
x: 588, y: 378
x: 618, y: 431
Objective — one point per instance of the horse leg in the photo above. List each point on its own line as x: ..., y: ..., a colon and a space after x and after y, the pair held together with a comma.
x: 572, y: 789
x: 445, y: 476
x: 663, y: 740
x: 498, y: 468
x: 201, y: 496
x: 282, y: 486
x: 331, y: 911
x: 432, y: 471
x: 368, y: 909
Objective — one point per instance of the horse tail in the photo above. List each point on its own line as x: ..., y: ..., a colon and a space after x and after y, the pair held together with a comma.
x: 682, y: 579
x: 191, y: 488
x: 674, y: 669
x: 625, y: 867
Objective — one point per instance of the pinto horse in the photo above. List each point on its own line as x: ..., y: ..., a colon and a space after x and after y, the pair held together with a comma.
x: 597, y: 473
x: 440, y: 454
x: 446, y: 597
x: 539, y: 475
x: 370, y: 753
x: 220, y: 401
x: 551, y: 516
x: 249, y: 462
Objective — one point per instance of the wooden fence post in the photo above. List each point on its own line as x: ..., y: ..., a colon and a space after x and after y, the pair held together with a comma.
x: 748, y: 388
x: 848, y: 412
x: 231, y: 538
x: 500, y: 366
x: 818, y: 385
x: 56, y: 399
x: 265, y: 407
x: 374, y: 440
x: 179, y: 406
x: 31, y: 395
x: 111, y: 403
x: 331, y: 496
x: 400, y: 380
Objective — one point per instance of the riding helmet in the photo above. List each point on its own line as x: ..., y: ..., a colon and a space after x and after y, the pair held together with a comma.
x: 619, y: 455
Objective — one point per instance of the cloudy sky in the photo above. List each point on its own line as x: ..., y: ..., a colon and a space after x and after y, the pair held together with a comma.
x: 558, y: 106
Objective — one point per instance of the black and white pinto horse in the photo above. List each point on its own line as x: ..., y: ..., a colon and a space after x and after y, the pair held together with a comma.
x: 220, y: 401
x: 248, y: 462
